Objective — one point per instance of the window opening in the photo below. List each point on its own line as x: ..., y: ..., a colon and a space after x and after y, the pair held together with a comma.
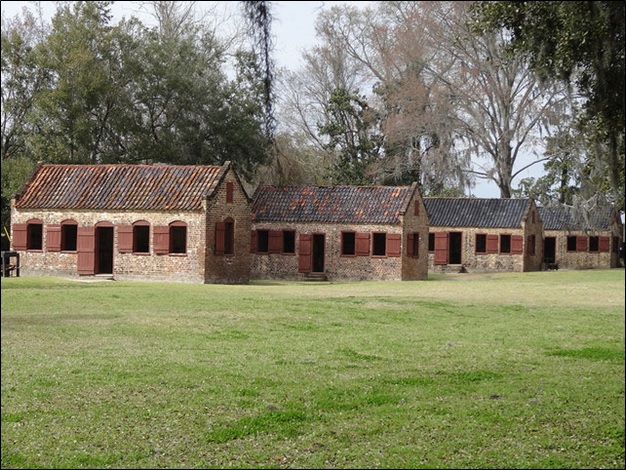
x: 178, y: 239
x: 69, y: 236
x: 481, y: 243
x: 431, y: 242
x: 34, y: 236
x: 571, y: 243
x: 505, y: 243
x: 379, y: 244
x: 594, y: 244
x: 262, y: 241
x: 289, y: 241
x: 348, y: 243
x: 141, y: 238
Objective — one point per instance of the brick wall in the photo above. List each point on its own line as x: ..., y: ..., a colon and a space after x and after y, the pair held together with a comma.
x: 235, y: 268
x: 496, y: 262
x: 584, y: 259
x: 340, y: 267
x: 183, y: 268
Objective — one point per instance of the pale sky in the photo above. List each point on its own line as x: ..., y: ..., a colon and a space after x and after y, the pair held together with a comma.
x: 293, y: 28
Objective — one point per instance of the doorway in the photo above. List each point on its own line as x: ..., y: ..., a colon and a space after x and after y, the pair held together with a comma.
x: 319, y: 242
x: 455, y: 248
x: 104, y: 250
x: 549, y: 250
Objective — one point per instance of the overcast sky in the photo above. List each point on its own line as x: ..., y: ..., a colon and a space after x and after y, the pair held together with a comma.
x: 293, y: 29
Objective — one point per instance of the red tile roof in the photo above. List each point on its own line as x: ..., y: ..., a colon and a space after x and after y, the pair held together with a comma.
x: 343, y: 204
x: 120, y: 187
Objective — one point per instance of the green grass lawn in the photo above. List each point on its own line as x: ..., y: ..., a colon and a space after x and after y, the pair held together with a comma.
x: 516, y: 370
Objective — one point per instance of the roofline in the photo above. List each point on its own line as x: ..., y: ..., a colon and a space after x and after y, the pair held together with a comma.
x: 407, y: 204
x: 228, y: 165
x: 30, y: 179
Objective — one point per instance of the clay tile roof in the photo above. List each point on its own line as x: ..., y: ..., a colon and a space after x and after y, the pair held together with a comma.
x: 475, y: 212
x: 119, y: 187
x: 563, y: 218
x: 343, y: 204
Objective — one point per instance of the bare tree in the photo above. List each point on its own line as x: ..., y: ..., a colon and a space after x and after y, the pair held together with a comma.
x: 502, y: 110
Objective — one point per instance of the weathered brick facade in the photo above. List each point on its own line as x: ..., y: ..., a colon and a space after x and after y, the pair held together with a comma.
x: 232, y: 268
x: 396, y: 264
x: 604, y: 255
x: 196, y: 262
x: 582, y: 241
x: 198, y: 225
x: 517, y: 247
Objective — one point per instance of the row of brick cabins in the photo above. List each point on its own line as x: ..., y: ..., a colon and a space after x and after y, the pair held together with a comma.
x: 579, y: 240
x: 198, y: 224
x: 483, y: 235
x: 195, y: 224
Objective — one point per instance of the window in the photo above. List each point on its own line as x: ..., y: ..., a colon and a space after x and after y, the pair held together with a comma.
x: 178, y: 238
x: 289, y: 241
x: 262, y: 241
x: 530, y: 242
x: 413, y: 245
x: 141, y: 237
x: 225, y: 237
x: 431, y: 242
x: 571, y: 243
x: 379, y: 244
x: 505, y: 243
x: 69, y: 235
x: 348, y: 243
x: 34, y: 235
x: 481, y: 243
x: 594, y: 244
x: 229, y: 237
x: 229, y: 192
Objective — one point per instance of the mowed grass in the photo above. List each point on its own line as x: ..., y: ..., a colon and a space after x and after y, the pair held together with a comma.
x: 517, y: 370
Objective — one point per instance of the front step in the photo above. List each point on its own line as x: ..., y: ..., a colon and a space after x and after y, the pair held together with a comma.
x: 316, y: 277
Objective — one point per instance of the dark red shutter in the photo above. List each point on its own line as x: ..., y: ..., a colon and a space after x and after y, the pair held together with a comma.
x: 275, y: 241
x: 125, y: 238
x: 253, y: 241
x: 394, y: 244
x: 86, y: 248
x: 605, y: 244
x: 362, y: 244
x: 517, y: 244
x: 161, y: 242
x: 19, y: 239
x: 416, y: 208
x: 220, y: 230
x: 229, y: 191
x: 581, y: 243
x: 492, y: 244
x: 409, y: 244
x: 304, y: 259
x: 441, y: 248
x: 53, y: 237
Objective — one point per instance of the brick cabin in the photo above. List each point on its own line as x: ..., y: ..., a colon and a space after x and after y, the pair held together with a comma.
x: 576, y: 242
x: 484, y: 235
x: 157, y: 222
x: 339, y: 233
